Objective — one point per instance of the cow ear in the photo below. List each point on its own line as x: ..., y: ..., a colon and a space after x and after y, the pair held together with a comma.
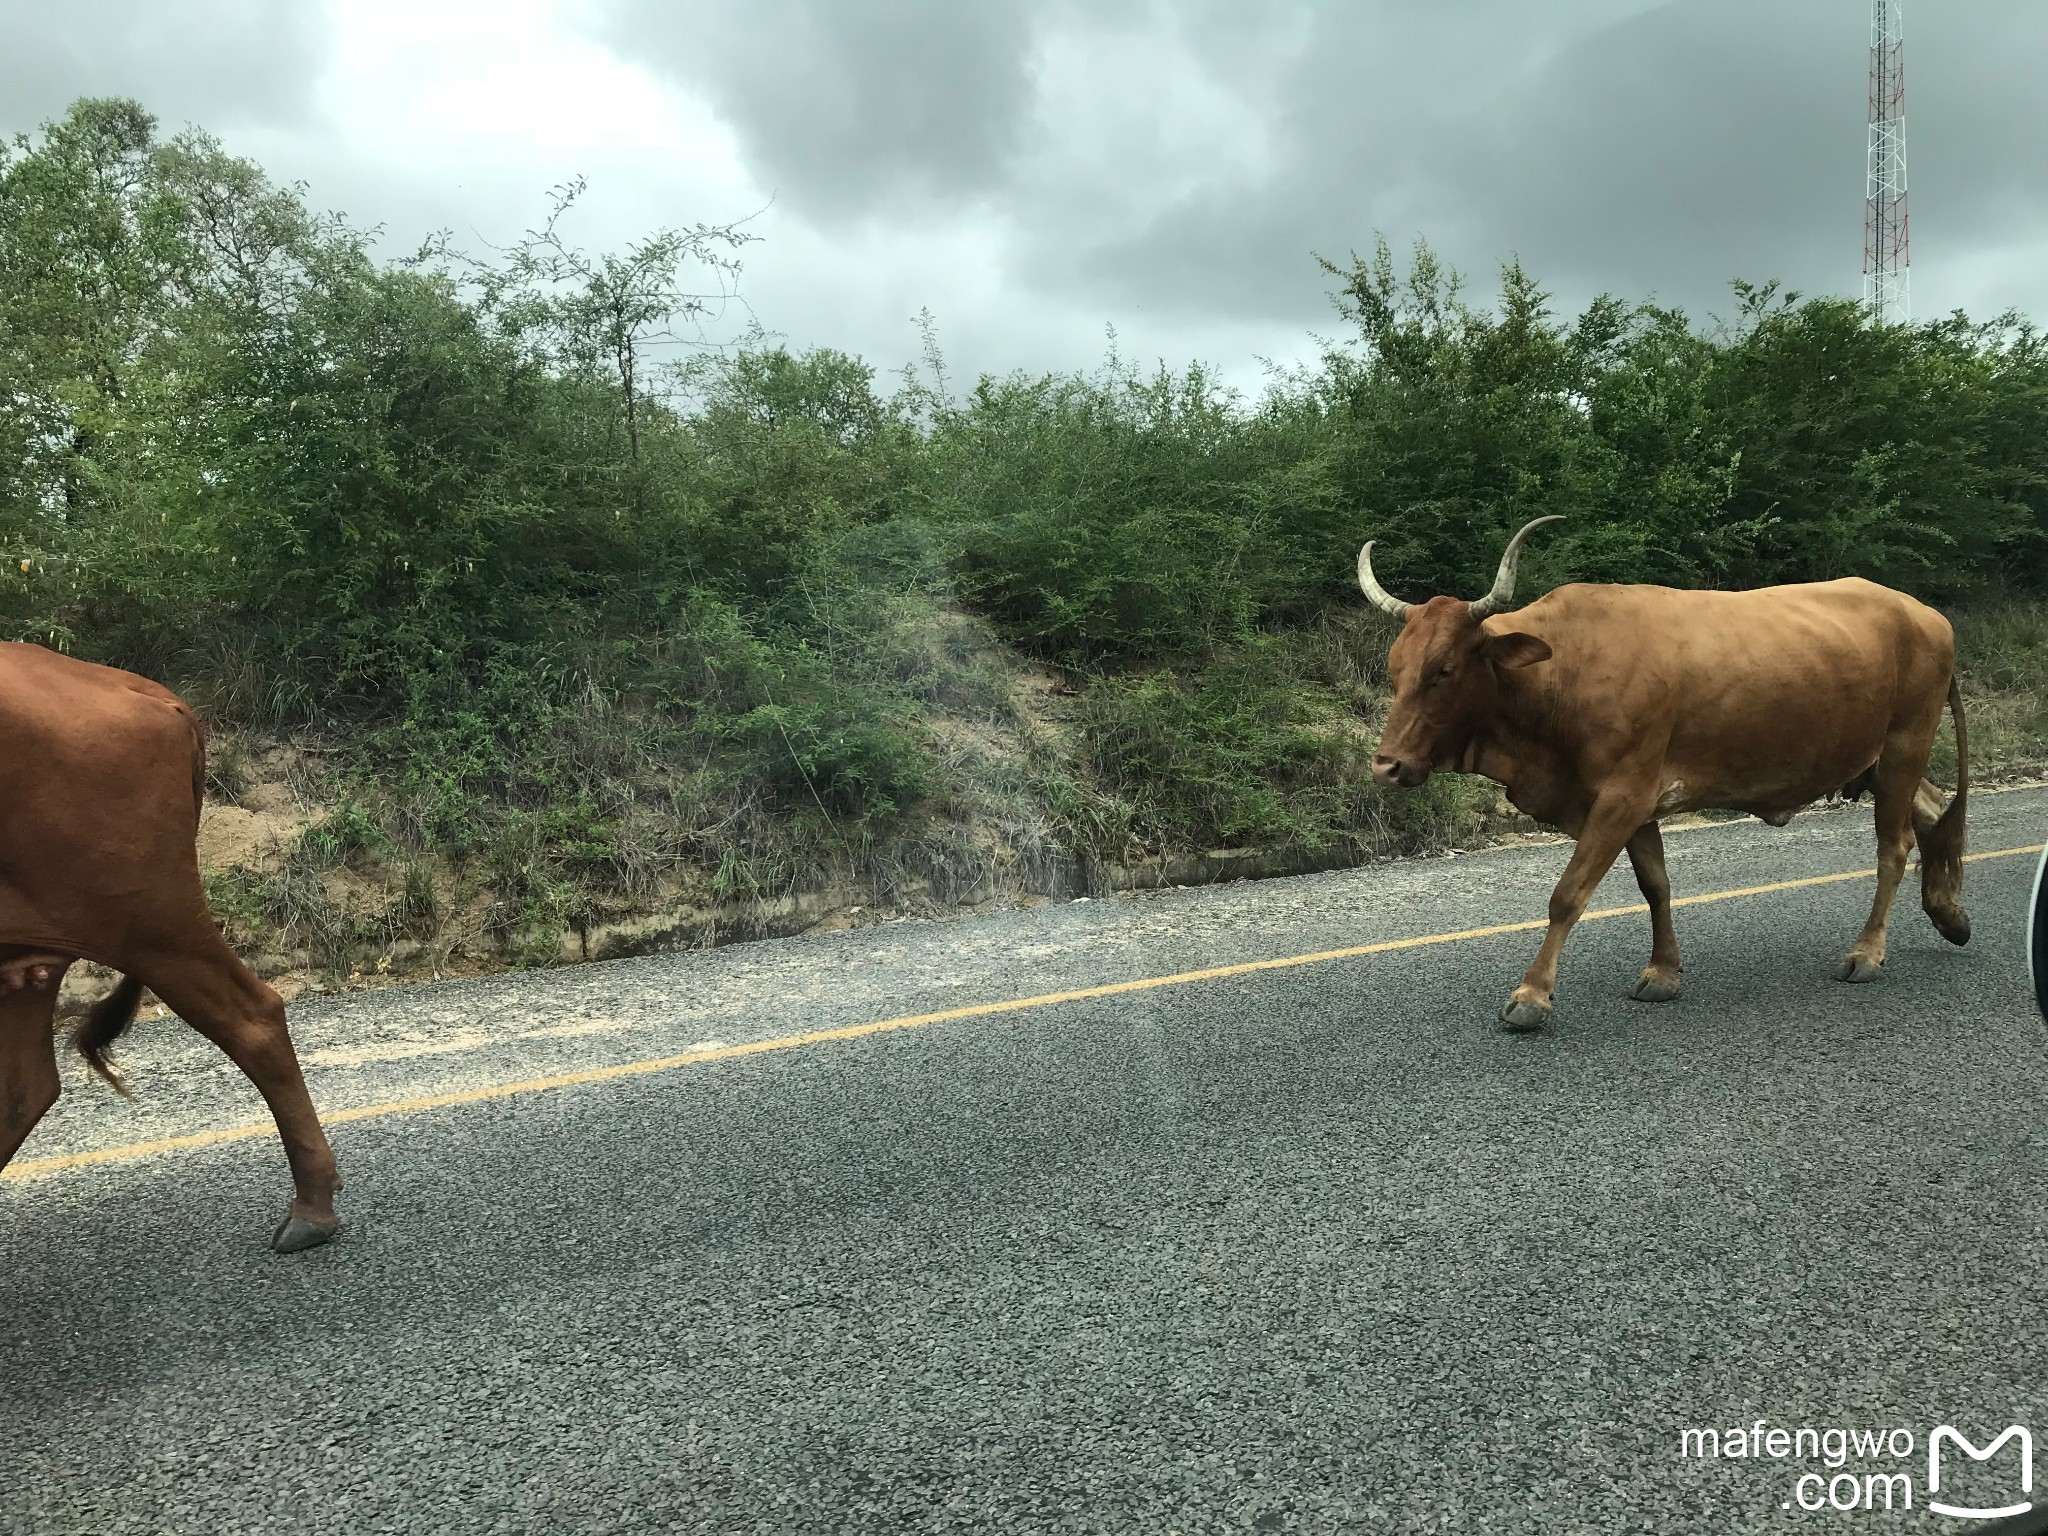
x: 1516, y: 650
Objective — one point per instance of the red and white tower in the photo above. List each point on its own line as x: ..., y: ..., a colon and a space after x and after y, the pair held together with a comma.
x: 1886, y: 264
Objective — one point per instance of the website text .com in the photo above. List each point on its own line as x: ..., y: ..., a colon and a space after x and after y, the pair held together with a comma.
x: 1872, y: 1469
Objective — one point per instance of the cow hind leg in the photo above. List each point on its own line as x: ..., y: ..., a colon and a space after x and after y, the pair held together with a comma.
x: 1899, y: 772
x: 205, y: 984
x: 1659, y: 981
x: 28, y: 1063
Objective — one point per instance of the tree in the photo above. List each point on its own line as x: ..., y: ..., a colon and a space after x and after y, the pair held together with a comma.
x: 92, y: 246
x: 605, y: 310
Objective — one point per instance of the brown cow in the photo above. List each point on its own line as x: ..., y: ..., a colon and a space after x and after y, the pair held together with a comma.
x: 1603, y: 708
x: 102, y: 778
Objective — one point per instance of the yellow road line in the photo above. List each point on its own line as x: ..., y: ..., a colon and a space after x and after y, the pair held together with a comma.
x: 35, y: 1167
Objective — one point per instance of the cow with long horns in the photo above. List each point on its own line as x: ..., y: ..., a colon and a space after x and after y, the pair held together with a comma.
x: 1601, y: 709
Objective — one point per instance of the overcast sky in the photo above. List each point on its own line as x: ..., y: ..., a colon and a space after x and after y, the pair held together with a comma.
x: 1034, y: 172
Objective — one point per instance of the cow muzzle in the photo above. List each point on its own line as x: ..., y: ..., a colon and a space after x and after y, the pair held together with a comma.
x: 1395, y: 773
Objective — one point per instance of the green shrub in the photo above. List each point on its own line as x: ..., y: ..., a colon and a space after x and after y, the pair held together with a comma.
x: 582, y: 621
x: 1207, y: 760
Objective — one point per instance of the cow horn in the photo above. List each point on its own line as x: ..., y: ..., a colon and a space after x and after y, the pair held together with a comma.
x: 1503, y: 591
x: 1381, y: 598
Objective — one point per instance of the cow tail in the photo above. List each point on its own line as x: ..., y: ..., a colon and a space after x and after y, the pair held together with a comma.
x: 198, y: 761
x: 1941, y: 850
x: 1947, y: 833
x: 104, y: 1023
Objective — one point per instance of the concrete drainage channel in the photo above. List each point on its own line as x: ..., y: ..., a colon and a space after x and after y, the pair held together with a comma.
x: 846, y: 905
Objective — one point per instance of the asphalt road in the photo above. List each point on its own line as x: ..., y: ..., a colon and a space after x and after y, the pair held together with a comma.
x: 1307, y: 1248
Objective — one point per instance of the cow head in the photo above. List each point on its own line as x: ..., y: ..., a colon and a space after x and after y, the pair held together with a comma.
x: 1445, y: 670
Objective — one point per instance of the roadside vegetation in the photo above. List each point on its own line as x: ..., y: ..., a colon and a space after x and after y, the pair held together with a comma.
x: 540, y: 608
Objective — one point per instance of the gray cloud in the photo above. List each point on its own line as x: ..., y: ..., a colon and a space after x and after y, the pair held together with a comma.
x: 219, y: 63
x: 1643, y: 148
x: 1034, y: 169
x: 845, y: 107
x: 1660, y: 152
x: 1705, y: 141
x: 1672, y: 151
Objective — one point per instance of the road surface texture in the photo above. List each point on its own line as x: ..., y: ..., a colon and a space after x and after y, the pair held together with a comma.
x: 1309, y: 1247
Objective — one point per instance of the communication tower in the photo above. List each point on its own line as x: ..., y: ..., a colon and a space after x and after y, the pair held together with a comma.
x: 1886, y: 263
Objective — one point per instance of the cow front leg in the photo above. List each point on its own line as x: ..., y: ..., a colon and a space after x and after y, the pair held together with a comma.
x: 1608, y: 827
x: 1659, y: 981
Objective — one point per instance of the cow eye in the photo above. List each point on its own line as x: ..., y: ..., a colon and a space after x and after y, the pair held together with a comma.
x: 1445, y: 671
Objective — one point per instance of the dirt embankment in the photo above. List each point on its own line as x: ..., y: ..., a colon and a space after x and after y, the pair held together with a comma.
x: 316, y: 907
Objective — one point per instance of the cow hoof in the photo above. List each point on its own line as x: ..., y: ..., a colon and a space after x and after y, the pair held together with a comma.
x: 296, y: 1233
x: 1650, y: 987
x: 1856, y: 968
x: 1520, y: 1017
